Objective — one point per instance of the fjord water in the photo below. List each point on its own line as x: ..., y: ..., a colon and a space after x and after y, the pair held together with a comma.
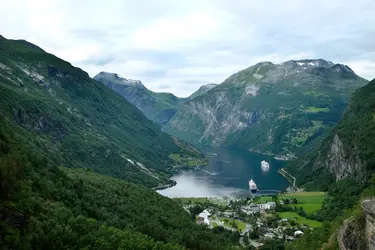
x: 228, y: 174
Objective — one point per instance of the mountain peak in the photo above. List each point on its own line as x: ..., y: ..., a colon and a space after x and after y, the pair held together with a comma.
x: 117, y: 79
x: 309, y: 63
x: 342, y: 68
x: 202, y: 90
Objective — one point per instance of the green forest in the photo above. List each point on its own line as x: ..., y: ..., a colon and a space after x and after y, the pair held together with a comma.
x: 45, y: 206
x: 80, y: 122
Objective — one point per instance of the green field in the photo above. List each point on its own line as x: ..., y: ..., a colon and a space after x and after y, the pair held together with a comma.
x: 229, y: 223
x: 308, y: 208
x: 316, y: 110
x: 299, y: 219
x: 309, y: 201
x: 306, y: 197
x: 263, y: 199
x: 187, y: 160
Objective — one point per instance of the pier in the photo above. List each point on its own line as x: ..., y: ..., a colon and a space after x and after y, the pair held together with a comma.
x: 288, y: 176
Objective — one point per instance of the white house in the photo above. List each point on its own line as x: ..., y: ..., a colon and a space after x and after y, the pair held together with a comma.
x: 203, y: 218
x: 267, y: 205
x: 298, y: 233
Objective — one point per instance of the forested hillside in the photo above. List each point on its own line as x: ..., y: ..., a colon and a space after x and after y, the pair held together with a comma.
x: 344, y: 166
x: 43, y: 206
x: 80, y: 122
x: 348, y: 151
x: 270, y: 108
x: 61, y: 133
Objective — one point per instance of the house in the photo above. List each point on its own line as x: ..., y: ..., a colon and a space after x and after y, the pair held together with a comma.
x: 228, y: 214
x: 203, y: 218
x: 268, y: 205
x: 251, y: 209
x: 269, y: 235
x: 298, y: 233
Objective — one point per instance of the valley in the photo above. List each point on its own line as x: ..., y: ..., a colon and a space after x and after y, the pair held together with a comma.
x: 283, y: 109
x: 105, y: 163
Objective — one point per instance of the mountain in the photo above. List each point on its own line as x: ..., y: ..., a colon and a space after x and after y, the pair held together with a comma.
x: 80, y: 122
x: 344, y: 167
x: 202, y: 90
x: 158, y: 107
x: 348, y: 151
x: 271, y: 108
x: 68, y: 147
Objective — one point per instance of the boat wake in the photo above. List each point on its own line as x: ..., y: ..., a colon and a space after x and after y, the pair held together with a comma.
x: 226, y: 161
x: 209, y: 153
x: 212, y: 173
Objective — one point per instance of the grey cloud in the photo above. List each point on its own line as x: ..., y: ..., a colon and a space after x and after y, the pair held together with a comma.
x: 339, y: 30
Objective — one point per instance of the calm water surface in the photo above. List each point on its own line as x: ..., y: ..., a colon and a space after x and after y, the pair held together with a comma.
x: 228, y: 174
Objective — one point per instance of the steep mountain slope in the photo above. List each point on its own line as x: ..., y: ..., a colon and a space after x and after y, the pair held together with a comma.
x: 43, y: 206
x: 272, y: 108
x: 158, y: 107
x: 349, y: 150
x: 52, y: 114
x: 80, y: 122
x: 202, y: 90
x: 344, y: 166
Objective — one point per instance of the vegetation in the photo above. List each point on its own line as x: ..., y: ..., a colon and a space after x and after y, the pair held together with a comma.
x: 316, y: 109
x: 333, y: 221
x: 293, y: 115
x: 263, y: 199
x: 80, y: 122
x: 53, y: 114
x: 299, y: 219
x: 355, y: 130
x: 306, y: 197
x: 187, y: 161
x: 158, y: 107
x: 39, y: 199
x: 237, y: 224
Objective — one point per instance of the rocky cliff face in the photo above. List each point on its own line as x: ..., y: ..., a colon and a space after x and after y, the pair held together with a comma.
x: 358, y: 232
x: 349, y: 150
x: 369, y: 210
x: 274, y: 108
x: 341, y: 163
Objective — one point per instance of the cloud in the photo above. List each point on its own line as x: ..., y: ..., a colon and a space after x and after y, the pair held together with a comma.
x: 184, y: 44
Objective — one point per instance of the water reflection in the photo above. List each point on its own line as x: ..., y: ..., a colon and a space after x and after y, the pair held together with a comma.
x: 190, y: 185
x: 227, y: 174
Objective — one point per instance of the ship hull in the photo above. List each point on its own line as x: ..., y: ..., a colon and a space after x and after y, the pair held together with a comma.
x: 253, y: 191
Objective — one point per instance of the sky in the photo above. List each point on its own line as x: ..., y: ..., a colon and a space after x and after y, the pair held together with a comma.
x: 177, y: 46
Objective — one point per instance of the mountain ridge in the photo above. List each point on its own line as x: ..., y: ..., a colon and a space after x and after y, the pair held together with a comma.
x: 159, y: 107
x: 70, y: 113
x: 236, y: 110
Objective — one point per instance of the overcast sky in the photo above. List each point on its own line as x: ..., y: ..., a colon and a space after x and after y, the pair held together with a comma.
x: 177, y: 45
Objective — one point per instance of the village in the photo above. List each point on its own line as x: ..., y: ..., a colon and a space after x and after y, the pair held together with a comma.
x: 258, y: 219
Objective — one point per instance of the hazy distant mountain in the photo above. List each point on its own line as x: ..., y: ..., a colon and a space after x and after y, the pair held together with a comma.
x: 202, y: 90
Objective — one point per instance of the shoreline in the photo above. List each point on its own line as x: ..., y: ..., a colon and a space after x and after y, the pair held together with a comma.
x: 290, y: 178
x: 278, y: 157
x: 168, y: 185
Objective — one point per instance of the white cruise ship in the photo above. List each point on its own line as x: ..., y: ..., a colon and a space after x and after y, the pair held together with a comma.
x: 265, y: 166
x: 253, y: 186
